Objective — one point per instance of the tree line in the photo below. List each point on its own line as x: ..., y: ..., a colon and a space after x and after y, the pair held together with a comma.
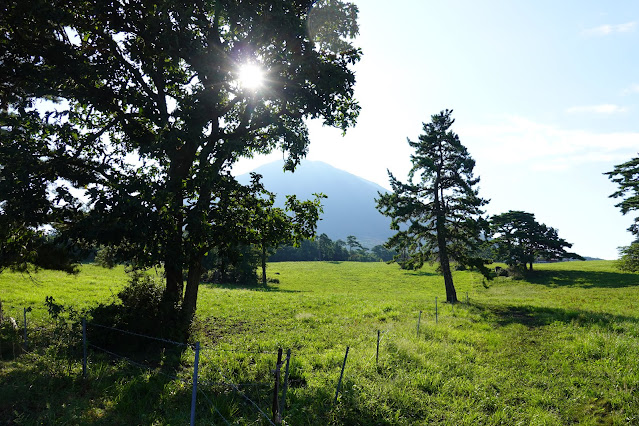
x: 120, y: 123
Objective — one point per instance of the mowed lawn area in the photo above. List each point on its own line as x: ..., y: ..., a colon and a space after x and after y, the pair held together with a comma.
x: 560, y: 347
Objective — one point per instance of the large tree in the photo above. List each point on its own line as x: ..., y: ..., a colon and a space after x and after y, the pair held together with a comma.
x: 519, y: 240
x: 120, y: 120
x: 626, y: 175
x: 438, y: 212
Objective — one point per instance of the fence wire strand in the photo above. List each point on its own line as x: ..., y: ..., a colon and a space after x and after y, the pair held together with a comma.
x: 243, y: 395
x: 137, y: 364
x: 213, y: 405
x: 159, y: 339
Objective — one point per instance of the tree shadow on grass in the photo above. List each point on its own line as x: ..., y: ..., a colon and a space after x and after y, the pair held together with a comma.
x: 533, y: 317
x: 583, y: 279
x: 258, y: 288
x: 420, y: 273
x: 39, y: 393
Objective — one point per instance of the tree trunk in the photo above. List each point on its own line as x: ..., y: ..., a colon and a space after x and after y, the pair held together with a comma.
x: 444, y: 262
x: 192, y: 285
x: 263, y: 264
x: 531, y: 266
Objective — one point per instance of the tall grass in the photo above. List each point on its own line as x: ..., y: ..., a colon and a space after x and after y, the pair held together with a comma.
x: 559, y: 347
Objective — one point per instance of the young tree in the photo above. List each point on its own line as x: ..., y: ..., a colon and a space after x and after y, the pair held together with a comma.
x: 153, y: 110
x: 351, y: 241
x: 273, y: 226
x: 441, y: 212
x: 520, y: 240
x: 626, y: 175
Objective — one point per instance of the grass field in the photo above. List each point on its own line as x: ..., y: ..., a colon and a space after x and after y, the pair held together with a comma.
x: 561, y: 347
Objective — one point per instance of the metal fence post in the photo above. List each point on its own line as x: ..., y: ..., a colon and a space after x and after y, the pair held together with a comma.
x: 435, y: 310
x: 194, y: 394
x: 277, y: 419
x: 377, y: 354
x: 84, y: 348
x: 285, y: 384
x: 339, y: 383
x: 26, y: 343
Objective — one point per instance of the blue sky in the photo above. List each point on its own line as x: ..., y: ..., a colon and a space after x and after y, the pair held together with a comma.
x: 545, y: 96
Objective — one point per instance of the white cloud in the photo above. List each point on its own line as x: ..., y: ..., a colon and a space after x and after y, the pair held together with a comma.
x: 604, y: 30
x: 597, y: 109
x: 634, y: 88
x: 537, y: 146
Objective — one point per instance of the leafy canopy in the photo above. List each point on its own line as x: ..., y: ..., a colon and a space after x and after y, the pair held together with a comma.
x: 120, y: 121
x: 520, y: 240
x: 626, y: 175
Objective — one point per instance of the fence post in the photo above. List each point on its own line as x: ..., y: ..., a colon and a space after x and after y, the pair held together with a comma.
x: 285, y: 384
x: 419, y: 320
x: 435, y: 309
x: 26, y: 343
x: 84, y: 348
x: 377, y: 355
x: 194, y: 394
x: 277, y: 419
x: 339, y: 383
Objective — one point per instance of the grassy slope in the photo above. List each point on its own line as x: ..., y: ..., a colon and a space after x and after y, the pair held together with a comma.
x: 559, y: 348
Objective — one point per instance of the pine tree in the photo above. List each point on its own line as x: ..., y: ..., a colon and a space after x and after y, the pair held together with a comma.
x: 438, y: 212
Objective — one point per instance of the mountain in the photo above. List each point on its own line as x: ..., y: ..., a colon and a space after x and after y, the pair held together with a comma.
x: 349, y: 208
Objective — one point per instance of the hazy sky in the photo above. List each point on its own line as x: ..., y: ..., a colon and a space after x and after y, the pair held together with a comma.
x: 545, y: 96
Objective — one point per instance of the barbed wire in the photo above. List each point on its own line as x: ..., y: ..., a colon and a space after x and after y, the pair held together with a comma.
x: 140, y: 365
x: 160, y: 339
x: 245, y: 351
x: 248, y: 399
x: 213, y: 405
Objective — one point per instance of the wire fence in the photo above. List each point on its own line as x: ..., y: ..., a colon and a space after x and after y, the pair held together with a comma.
x: 272, y: 388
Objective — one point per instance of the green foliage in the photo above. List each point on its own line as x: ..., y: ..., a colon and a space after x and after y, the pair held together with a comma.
x: 520, y: 240
x: 139, y: 307
x: 106, y: 257
x: 145, y: 117
x: 629, y: 258
x: 559, y: 347
x: 626, y: 175
x: 439, y: 216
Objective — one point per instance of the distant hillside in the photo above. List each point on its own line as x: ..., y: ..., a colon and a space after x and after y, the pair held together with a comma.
x: 349, y: 208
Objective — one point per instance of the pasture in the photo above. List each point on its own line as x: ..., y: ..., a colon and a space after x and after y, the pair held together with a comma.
x: 560, y: 347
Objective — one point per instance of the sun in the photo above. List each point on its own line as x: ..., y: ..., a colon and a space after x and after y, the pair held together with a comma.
x: 251, y: 76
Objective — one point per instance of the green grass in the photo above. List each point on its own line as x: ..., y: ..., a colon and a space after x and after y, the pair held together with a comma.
x: 560, y: 347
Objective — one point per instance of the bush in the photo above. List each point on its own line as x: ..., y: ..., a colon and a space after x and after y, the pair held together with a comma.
x: 140, y: 309
x: 106, y: 257
x: 629, y: 260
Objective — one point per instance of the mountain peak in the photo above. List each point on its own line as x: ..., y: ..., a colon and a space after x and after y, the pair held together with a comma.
x: 349, y: 208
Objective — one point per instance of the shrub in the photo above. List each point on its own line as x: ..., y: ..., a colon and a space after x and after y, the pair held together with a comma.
x: 629, y: 260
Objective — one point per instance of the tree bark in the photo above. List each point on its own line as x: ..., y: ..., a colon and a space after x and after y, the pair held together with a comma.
x: 263, y: 264
x: 173, y: 263
x: 189, y: 304
x: 444, y: 262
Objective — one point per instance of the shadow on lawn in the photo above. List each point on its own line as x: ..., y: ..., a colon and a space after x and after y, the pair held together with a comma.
x: 38, y: 394
x: 583, y: 279
x: 531, y: 317
x: 257, y: 287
